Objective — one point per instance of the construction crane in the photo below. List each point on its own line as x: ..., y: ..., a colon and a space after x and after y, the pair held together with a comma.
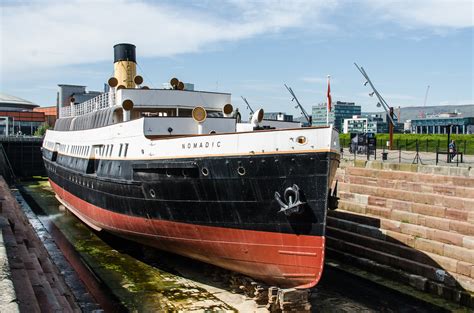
x: 303, y: 111
x: 426, y: 95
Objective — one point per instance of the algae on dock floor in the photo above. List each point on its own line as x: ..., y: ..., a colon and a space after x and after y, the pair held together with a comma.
x: 139, y: 286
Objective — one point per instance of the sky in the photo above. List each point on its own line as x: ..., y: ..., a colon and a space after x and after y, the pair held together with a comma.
x: 247, y: 48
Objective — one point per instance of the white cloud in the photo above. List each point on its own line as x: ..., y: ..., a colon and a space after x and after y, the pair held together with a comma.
x: 430, y: 13
x: 45, y: 34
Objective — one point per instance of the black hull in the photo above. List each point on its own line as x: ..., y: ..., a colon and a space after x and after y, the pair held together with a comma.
x: 232, y: 192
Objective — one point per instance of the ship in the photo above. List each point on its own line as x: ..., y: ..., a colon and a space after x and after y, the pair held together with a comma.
x: 176, y: 169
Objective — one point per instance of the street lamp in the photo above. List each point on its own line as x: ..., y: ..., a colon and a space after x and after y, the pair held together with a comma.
x: 388, y: 109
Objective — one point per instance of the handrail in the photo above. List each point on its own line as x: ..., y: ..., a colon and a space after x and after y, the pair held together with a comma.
x: 102, y: 101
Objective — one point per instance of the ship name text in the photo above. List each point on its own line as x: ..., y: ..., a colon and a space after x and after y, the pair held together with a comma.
x: 201, y: 145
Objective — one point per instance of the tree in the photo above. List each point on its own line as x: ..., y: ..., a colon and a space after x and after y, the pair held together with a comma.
x: 41, y: 131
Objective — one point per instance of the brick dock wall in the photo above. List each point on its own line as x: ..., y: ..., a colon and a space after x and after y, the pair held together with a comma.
x: 413, y: 224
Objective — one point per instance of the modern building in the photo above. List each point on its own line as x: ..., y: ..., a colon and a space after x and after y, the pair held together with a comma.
x: 361, y: 124
x: 369, y: 123
x: 278, y: 116
x: 340, y: 110
x: 73, y: 94
x: 17, y: 116
x: 441, y: 124
x: 50, y: 114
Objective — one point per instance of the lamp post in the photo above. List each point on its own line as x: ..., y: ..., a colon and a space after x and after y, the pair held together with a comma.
x: 448, y: 155
x: 388, y: 109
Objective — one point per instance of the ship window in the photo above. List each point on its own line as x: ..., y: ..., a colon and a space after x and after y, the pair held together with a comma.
x: 111, y: 149
x: 120, y: 149
x: 107, y: 150
x: 126, y: 150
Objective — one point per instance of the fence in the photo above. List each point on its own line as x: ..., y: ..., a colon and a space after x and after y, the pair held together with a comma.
x: 411, y: 151
x: 428, y: 145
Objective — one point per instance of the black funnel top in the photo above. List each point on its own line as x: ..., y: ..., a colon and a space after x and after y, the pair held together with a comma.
x: 124, y: 52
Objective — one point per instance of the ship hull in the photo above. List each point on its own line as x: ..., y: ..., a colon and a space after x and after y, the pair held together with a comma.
x: 227, y: 218
x: 286, y: 260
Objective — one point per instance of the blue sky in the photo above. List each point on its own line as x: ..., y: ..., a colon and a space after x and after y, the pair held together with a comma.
x: 247, y: 48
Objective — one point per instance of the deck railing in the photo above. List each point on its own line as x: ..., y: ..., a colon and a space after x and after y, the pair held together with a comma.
x: 102, y: 101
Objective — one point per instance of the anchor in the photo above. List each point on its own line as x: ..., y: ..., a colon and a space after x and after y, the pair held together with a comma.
x: 292, y: 197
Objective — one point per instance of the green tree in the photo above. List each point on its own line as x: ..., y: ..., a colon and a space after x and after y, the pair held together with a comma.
x: 41, y: 131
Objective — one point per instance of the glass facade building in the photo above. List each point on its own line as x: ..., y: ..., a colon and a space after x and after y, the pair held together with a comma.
x: 440, y: 125
x: 339, y: 111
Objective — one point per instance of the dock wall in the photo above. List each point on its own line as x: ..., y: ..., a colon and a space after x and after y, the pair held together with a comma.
x: 30, y: 281
x: 410, y: 223
x: 23, y: 156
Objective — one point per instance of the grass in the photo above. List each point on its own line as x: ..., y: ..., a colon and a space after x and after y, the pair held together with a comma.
x: 426, y: 142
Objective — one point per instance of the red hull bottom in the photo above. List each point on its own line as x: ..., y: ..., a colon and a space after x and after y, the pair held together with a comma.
x: 285, y: 260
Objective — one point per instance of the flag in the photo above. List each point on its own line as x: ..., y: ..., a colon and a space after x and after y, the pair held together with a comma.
x: 329, y: 96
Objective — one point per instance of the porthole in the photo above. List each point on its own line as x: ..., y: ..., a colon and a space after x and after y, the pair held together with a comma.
x: 205, y: 171
x: 301, y: 140
x: 152, y: 193
x: 212, y: 132
x: 241, y: 170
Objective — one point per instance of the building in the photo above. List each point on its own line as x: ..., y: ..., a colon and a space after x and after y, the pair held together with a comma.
x: 278, y: 116
x: 50, y: 114
x: 340, y: 110
x: 361, y: 124
x: 441, y: 123
x: 75, y: 94
x: 17, y: 116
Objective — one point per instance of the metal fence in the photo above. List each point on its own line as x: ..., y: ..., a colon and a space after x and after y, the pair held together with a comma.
x: 428, y: 145
x: 414, y: 152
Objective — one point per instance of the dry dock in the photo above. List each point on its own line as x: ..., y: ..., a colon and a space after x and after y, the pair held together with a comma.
x: 54, y: 262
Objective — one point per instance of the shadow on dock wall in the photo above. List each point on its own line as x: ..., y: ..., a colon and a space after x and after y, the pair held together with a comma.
x: 21, y: 157
x: 359, y: 241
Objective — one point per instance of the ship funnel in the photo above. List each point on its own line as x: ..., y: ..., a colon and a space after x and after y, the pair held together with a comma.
x: 125, y: 65
x: 257, y: 117
x: 227, y: 110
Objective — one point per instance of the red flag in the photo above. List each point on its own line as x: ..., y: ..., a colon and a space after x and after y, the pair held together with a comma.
x: 329, y: 96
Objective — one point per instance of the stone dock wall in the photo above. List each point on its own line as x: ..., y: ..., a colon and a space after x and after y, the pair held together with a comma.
x: 29, y: 281
x: 413, y: 224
